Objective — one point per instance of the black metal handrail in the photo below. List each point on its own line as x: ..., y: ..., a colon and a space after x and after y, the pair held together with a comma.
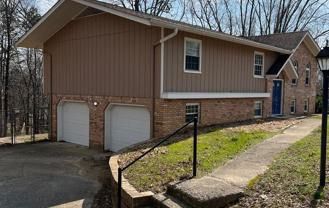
x: 195, y: 135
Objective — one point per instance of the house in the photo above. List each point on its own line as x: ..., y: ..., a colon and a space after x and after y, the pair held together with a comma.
x: 118, y: 77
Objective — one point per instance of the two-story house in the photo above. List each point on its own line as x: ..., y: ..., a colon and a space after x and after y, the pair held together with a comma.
x: 117, y: 77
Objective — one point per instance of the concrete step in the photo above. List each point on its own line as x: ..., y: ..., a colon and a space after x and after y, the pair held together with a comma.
x: 205, y: 192
x: 164, y: 200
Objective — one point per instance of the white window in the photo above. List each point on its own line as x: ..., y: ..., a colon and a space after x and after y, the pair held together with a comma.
x: 293, y: 106
x: 308, y: 74
x: 259, y: 65
x: 294, y: 81
x: 192, y: 55
x: 306, y: 106
x: 295, y: 63
x: 191, y: 111
x: 258, y: 109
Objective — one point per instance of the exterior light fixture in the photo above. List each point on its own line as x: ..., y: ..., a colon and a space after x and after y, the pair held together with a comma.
x: 95, y: 104
x: 323, y: 62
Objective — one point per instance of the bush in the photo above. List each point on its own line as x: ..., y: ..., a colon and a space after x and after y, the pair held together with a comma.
x: 318, y: 104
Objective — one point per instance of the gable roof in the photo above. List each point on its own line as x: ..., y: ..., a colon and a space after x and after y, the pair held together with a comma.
x: 66, y: 10
x: 289, y: 41
x: 278, y: 64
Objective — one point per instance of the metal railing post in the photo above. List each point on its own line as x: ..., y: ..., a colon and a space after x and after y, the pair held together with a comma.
x: 12, y: 126
x: 195, y: 143
x: 119, y: 186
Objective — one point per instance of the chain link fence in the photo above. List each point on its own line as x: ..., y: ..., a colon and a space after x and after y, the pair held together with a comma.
x: 24, y: 127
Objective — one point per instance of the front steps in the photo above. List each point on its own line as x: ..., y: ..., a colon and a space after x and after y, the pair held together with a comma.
x: 164, y: 200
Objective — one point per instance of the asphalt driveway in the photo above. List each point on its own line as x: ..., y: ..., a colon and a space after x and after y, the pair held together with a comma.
x: 50, y: 175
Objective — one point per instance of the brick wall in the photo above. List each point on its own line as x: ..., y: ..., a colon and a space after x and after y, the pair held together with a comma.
x: 300, y: 92
x: 170, y: 114
x: 96, y: 114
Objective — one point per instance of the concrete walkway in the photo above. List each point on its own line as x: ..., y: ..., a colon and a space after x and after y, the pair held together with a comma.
x: 226, y: 184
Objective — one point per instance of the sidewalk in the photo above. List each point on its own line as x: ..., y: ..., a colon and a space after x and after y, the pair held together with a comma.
x: 226, y: 184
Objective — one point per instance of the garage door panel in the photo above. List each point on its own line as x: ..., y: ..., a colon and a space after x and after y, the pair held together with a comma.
x: 125, y: 126
x: 75, y: 123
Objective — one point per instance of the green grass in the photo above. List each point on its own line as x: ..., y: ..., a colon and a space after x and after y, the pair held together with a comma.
x: 174, y: 161
x: 292, y: 180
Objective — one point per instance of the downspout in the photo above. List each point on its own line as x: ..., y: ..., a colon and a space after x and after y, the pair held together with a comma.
x: 160, y: 42
x: 51, y: 96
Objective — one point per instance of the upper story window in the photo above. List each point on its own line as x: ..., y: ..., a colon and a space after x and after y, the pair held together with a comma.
x: 192, y: 110
x: 192, y: 55
x: 308, y: 74
x: 259, y: 65
x: 295, y: 64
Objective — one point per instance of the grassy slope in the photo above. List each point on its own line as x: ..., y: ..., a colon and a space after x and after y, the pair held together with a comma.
x: 174, y: 161
x: 292, y: 179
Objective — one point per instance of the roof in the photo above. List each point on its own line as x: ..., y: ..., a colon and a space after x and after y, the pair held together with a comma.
x: 66, y: 10
x: 278, y: 64
x: 289, y: 41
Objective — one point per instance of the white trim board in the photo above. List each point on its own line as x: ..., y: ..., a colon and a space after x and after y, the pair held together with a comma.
x: 212, y: 95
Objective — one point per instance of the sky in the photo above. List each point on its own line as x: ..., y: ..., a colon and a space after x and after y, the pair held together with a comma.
x: 45, y: 5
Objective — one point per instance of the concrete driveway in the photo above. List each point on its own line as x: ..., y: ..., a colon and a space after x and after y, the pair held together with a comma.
x: 50, y: 175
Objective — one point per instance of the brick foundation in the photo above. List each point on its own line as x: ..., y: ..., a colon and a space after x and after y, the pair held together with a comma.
x: 170, y: 114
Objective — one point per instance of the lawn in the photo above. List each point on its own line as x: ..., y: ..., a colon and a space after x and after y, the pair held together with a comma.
x: 292, y: 179
x: 174, y: 161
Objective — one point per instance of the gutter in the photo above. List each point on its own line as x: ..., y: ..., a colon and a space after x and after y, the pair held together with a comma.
x: 161, y: 43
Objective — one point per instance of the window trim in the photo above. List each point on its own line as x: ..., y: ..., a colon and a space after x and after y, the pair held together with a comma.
x: 192, y: 104
x: 254, y: 64
x: 200, y: 55
x: 293, y: 100
x: 261, y: 109
x: 307, y: 104
x: 295, y: 65
x: 308, y: 69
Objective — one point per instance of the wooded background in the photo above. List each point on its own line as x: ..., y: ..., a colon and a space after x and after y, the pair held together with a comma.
x: 21, y: 75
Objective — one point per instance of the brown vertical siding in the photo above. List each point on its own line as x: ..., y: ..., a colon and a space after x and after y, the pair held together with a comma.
x: 102, y: 55
x: 226, y: 67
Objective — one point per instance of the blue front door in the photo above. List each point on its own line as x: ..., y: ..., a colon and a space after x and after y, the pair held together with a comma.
x: 277, y: 96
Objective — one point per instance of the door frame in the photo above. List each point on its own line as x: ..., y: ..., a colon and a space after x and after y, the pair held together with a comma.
x: 107, y: 132
x: 60, y: 117
x: 282, y: 97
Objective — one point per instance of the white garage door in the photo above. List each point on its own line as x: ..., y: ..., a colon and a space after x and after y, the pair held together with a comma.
x: 74, y: 123
x: 125, y: 126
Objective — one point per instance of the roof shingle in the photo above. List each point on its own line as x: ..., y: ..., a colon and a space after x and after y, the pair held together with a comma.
x: 287, y: 41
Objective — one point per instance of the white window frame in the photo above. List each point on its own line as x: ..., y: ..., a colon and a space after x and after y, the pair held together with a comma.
x: 294, y: 101
x: 295, y: 64
x: 200, y: 55
x: 307, y: 104
x: 254, y: 64
x: 261, y: 108
x: 192, y: 104
x: 308, y: 69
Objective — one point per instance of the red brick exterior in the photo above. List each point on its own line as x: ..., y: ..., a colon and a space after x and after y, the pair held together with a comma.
x: 299, y: 92
x: 170, y: 114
